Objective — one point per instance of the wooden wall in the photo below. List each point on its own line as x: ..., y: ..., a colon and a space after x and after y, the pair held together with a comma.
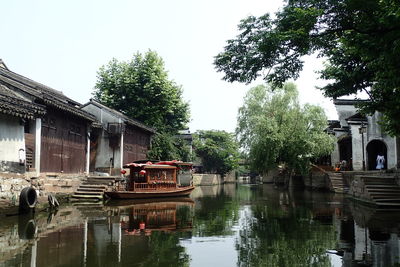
x: 136, y: 144
x: 63, y: 147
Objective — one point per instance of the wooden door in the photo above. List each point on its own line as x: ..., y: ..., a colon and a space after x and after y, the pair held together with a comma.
x: 63, y: 146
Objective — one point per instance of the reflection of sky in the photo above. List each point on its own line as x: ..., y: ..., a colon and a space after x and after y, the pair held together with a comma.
x: 211, y: 251
x: 221, y: 250
x: 335, y: 260
x: 215, y: 250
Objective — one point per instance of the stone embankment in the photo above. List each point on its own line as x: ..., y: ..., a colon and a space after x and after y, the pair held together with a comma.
x: 377, y: 190
x: 11, y: 185
x: 212, y: 179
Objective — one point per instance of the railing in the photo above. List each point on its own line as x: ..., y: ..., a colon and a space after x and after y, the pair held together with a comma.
x: 155, y: 185
x: 162, y: 185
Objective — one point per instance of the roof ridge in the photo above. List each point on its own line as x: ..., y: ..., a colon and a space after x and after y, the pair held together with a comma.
x: 36, y: 85
x: 116, y: 112
x: 3, y: 65
x: 54, y: 98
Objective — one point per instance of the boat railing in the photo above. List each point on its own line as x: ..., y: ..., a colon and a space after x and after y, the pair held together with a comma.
x: 155, y: 185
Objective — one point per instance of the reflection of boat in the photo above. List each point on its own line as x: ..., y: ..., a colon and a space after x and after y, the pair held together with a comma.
x: 140, y: 216
x: 151, y: 181
x: 126, y: 203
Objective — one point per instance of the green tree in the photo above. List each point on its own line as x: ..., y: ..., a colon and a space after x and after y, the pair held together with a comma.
x: 141, y: 89
x: 218, y: 151
x: 273, y: 128
x: 166, y: 147
x: 359, y: 38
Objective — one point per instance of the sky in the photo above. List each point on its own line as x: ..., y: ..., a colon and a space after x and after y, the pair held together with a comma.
x: 63, y: 43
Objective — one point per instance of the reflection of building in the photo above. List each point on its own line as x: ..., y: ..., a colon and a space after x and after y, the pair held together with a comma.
x: 360, y: 139
x: 368, y: 236
x: 98, y: 236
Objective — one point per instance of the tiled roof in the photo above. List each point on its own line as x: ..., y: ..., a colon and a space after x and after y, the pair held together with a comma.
x: 14, y: 105
x: 42, y: 94
x: 2, y: 64
x: 349, y: 102
x: 357, y: 117
x: 126, y: 119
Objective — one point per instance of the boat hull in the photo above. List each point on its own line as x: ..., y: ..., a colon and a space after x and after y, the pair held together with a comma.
x: 178, y: 192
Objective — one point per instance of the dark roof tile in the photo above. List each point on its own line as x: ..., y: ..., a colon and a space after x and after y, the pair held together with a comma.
x: 127, y: 119
x: 43, y: 94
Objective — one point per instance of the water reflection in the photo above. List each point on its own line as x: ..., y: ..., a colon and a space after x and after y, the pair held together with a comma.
x: 230, y: 225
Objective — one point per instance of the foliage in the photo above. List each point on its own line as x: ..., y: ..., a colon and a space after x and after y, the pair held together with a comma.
x: 217, y: 214
x: 360, y: 39
x: 284, y: 235
x: 166, y: 249
x: 273, y: 128
x: 218, y: 151
x: 165, y: 146
x: 140, y: 88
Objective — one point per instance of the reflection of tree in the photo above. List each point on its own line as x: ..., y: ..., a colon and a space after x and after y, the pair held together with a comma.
x: 164, y: 250
x: 273, y: 237
x: 184, y: 217
x: 217, y: 214
x: 163, y: 247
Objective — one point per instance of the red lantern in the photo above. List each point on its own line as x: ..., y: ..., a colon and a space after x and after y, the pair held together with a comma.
x: 123, y: 171
x: 142, y: 172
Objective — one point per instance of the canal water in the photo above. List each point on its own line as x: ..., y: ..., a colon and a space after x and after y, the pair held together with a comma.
x: 230, y: 225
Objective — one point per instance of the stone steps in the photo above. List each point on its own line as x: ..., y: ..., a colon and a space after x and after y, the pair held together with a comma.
x: 380, y: 186
x: 93, y: 187
x: 90, y: 190
x: 383, y: 190
x: 378, y: 203
x: 337, y: 183
x: 374, y: 195
x: 94, y: 193
x: 86, y: 196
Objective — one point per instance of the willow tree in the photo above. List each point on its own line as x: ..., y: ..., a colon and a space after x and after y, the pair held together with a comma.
x: 273, y: 128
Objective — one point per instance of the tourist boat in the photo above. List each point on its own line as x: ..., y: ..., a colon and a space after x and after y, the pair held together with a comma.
x: 151, y: 180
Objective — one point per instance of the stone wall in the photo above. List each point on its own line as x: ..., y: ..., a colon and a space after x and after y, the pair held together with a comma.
x: 206, y: 179
x: 268, y: 177
x: 230, y: 177
x: 317, y: 181
x: 11, y: 185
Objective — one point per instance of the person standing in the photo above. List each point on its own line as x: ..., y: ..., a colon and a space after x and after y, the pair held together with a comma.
x: 380, y: 162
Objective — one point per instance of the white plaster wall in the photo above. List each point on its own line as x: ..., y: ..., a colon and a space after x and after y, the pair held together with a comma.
x: 391, y: 150
x: 345, y: 111
x: 104, y: 151
x: 356, y: 142
x: 11, y: 138
x: 374, y: 132
x: 335, y: 156
x: 374, y: 129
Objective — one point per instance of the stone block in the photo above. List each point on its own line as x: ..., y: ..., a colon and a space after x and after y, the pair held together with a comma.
x: 5, y: 187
